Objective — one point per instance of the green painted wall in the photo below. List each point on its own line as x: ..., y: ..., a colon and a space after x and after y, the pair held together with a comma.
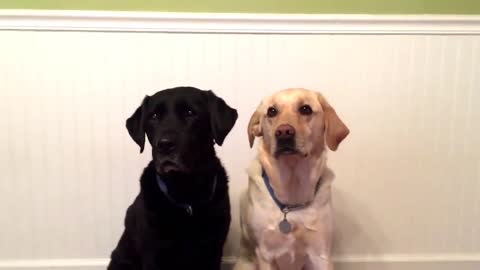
x: 260, y: 6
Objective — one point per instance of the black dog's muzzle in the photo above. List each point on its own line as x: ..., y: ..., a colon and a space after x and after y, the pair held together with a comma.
x: 166, y: 145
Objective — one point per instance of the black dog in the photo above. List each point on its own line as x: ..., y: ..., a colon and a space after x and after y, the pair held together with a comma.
x: 181, y: 217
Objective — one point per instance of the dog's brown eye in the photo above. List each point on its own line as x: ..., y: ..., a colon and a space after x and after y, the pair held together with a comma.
x: 272, y: 112
x: 154, y: 116
x: 306, y: 110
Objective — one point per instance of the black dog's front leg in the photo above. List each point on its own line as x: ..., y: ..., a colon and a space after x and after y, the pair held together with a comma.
x: 166, y: 259
x: 212, y: 259
x: 123, y: 256
x: 210, y: 251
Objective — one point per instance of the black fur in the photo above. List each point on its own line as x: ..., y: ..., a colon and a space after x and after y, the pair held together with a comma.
x: 181, y: 125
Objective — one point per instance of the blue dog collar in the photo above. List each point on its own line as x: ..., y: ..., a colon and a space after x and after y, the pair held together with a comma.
x: 188, y: 208
x: 285, y: 208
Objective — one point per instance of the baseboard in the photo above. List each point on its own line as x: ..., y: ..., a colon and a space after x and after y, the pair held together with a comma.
x: 110, y: 21
x: 387, y: 262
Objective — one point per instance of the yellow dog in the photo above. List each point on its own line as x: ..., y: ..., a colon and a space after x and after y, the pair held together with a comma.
x: 286, y: 214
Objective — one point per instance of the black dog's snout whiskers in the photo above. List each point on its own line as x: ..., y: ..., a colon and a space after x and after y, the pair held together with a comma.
x: 166, y: 145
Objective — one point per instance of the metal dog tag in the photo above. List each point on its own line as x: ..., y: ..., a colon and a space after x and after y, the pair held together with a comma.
x: 284, y: 226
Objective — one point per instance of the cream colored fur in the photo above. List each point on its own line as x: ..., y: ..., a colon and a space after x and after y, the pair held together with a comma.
x: 293, y: 179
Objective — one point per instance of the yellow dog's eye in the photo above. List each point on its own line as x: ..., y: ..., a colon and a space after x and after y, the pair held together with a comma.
x: 305, y: 110
x: 272, y: 112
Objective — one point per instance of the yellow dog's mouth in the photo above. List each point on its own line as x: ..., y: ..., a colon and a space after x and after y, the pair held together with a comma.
x: 286, y: 146
x: 286, y: 151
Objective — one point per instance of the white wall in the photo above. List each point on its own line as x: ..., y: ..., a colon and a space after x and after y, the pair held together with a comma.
x: 408, y: 177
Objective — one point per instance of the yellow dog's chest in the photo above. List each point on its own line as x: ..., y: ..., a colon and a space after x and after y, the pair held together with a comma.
x: 286, y: 250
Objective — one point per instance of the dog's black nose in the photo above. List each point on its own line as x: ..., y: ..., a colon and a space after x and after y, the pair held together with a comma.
x: 166, y: 145
x: 285, y: 132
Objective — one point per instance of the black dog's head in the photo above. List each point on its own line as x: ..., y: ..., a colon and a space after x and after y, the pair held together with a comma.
x: 182, y: 124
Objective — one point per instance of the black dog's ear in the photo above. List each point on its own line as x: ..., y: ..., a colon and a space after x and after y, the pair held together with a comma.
x: 136, y: 124
x: 222, y: 117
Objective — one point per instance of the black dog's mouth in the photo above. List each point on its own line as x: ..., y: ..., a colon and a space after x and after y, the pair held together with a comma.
x: 170, y: 166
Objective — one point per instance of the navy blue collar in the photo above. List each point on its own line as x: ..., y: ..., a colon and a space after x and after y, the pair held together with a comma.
x: 285, y: 207
x: 188, y: 208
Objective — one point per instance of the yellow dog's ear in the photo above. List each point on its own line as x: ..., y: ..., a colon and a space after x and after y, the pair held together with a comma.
x: 254, y: 127
x: 335, y: 129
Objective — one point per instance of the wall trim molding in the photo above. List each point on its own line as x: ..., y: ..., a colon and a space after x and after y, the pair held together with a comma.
x: 161, y: 22
x: 409, y: 258
x: 229, y: 261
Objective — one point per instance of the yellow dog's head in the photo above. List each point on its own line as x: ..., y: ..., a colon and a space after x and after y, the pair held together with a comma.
x: 296, y: 122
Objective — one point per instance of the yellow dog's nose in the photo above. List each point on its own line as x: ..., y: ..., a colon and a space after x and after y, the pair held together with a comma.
x: 285, y: 131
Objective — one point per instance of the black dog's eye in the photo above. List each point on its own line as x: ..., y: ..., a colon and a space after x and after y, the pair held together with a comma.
x: 154, y: 116
x: 189, y: 113
x: 272, y: 112
x: 306, y: 110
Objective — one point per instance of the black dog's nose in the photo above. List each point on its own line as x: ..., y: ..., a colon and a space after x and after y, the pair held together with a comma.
x: 166, y: 145
x: 285, y: 132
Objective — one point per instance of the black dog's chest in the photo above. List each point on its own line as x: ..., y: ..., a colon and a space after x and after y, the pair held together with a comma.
x: 186, y: 237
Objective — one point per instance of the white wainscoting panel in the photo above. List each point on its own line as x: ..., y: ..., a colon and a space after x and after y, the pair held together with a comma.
x: 407, y: 192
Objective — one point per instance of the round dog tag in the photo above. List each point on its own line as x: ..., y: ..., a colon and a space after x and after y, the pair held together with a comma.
x: 284, y: 226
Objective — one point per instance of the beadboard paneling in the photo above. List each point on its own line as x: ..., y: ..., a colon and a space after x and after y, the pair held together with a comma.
x: 408, y: 176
